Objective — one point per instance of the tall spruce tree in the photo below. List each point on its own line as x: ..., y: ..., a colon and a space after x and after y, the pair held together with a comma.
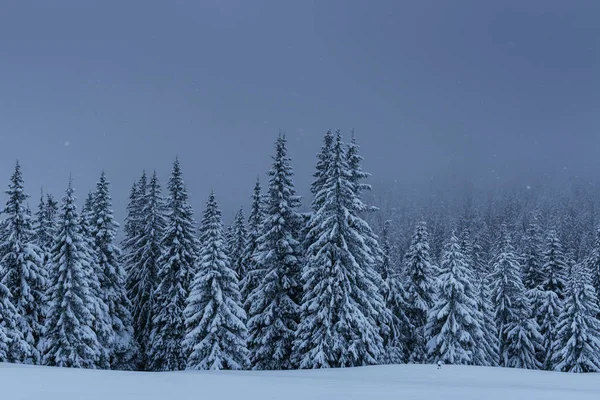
x: 69, y: 339
x: 176, y: 266
x: 238, y: 245
x: 274, y: 303
x: 549, y: 296
x: 555, y: 267
x: 487, y: 352
x: 143, y: 260
x: 102, y: 322
x: 519, y: 334
x: 593, y: 264
x: 253, y: 274
x: 214, y: 317
x: 577, y: 344
x: 395, y: 300
x: 112, y: 277
x: 419, y: 287
x: 533, y: 273
x: 342, y: 302
x: 23, y: 271
x: 13, y: 347
x: 453, y: 324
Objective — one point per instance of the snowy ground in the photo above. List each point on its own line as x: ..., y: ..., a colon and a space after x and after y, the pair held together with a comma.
x: 387, y: 382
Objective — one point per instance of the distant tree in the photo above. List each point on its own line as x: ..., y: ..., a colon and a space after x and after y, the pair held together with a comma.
x: 214, y: 317
x: 177, y: 264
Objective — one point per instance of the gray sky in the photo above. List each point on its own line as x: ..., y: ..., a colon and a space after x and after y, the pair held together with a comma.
x: 436, y: 90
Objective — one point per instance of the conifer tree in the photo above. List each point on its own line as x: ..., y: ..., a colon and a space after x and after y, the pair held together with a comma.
x: 13, y: 347
x: 555, y: 266
x: 519, y: 334
x: 23, y: 272
x: 69, y: 340
x: 342, y: 303
x: 238, y: 245
x: 357, y: 176
x: 419, y: 287
x: 322, y: 168
x: 102, y: 322
x: 453, y: 324
x: 135, y: 207
x: 487, y: 351
x: 112, y: 277
x: 145, y: 253
x: 533, y: 273
x: 253, y: 275
x: 214, y: 317
x: 395, y: 300
x: 549, y: 296
x: 593, y: 264
x: 274, y: 303
x: 577, y: 345
x: 176, y: 265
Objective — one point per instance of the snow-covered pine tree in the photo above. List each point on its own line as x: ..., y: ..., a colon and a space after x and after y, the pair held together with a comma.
x: 555, y: 267
x: 23, y: 271
x: 519, y: 334
x: 145, y: 253
x: 547, y: 296
x: 533, y: 273
x: 395, y: 300
x: 488, y: 349
x: 342, y: 303
x: 577, y: 345
x: 357, y: 176
x: 102, y: 322
x: 69, y: 340
x: 176, y: 265
x: 13, y: 347
x: 112, y: 278
x: 214, y: 317
x: 131, y: 228
x: 253, y: 275
x: 593, y: 265
x: 274, y: 303
x: 419, y: 287
x: 238, y: 245
x: 453, y: 325
x: 135, y: 206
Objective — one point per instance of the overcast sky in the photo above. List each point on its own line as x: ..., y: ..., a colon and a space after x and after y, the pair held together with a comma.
x: 435, y: 90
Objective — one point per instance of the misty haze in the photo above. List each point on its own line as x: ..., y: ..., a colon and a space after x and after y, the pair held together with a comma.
x: 261, y: 185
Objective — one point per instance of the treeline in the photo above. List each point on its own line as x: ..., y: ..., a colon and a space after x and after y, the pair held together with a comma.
x: 284, y: 289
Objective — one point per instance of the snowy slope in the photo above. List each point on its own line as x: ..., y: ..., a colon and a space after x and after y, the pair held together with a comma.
x: 385, y: 382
